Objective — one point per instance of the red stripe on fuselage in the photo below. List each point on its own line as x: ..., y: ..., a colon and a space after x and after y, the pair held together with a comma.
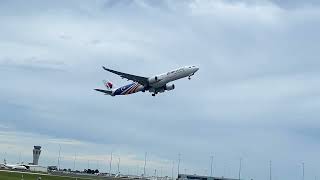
x: 132, y: 90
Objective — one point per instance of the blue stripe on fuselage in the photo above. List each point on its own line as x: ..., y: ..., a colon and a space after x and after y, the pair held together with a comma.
x: 119, y: 91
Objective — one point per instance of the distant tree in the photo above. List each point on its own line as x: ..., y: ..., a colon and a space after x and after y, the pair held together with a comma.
x: 89, y: 171
x: 96, y: 171
x: 64, y: 169
x: 69, y: 170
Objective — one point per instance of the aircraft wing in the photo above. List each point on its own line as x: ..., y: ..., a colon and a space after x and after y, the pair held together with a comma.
x: 139, y: 79
x: 104, y: 91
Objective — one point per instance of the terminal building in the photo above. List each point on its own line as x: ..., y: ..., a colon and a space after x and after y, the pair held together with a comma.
x: 197, y: 177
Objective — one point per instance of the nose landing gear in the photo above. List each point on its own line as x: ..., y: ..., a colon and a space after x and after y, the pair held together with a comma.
x: 190, y: 76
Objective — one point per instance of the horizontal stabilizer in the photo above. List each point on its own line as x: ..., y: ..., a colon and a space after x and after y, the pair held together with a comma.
x: 109, y: 92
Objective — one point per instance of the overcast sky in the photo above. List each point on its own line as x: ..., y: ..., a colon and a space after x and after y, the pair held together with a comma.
x: 255, y: 97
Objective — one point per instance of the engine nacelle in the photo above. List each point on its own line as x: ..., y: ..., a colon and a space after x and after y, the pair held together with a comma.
x: 153, y: 79
x: 169, y: 87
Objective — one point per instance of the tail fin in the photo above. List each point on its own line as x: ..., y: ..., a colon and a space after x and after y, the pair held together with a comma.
x: 108, y: 84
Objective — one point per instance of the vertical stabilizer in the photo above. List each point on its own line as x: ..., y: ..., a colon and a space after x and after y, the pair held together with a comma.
x: 108, y: 84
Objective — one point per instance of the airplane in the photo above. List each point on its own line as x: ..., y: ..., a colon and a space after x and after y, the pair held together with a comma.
x: 154, y: 84
x: 13, y: 166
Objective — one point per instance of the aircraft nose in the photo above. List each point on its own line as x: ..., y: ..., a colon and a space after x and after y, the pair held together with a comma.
x: 196, y: 69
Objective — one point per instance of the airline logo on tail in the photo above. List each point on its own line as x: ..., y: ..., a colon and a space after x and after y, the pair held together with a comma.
x: 108, y: 84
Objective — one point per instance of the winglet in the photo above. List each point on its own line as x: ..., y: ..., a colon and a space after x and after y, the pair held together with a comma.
x: 104, y: 68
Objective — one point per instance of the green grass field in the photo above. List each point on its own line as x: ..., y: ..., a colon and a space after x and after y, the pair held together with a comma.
x: 5, y: 175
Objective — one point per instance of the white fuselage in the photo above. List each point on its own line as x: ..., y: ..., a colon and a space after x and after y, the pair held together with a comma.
x: 173, y: 75
x: 15, y: 166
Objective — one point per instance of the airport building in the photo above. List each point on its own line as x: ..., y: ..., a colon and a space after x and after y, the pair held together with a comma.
x: 37, y: 168
x: 34, y: 166
x: 36, y: 154
x: 197, y: 177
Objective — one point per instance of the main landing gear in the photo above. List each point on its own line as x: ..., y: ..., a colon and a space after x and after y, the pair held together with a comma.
x: 154, y: 94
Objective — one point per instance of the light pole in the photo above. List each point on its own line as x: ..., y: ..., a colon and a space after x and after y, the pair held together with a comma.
x: 172, y: 169
x: 19, y: 158
x: 302, y: 170
x: 59, y: 157
x: 270, y: 170
x: 110, y: 164
x: 179, y: 163
x: 74, y: 162
x: 240, y: 166
x: 138, y: 170
x: 119, y: 166
x: 211, y: 165
x: 145, y: 163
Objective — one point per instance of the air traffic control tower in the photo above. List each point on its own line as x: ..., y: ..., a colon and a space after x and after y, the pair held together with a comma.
x: 36, y: 154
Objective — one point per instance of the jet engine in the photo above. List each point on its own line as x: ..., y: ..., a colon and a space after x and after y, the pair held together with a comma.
x: 153, y: 79
x: 169, y: 87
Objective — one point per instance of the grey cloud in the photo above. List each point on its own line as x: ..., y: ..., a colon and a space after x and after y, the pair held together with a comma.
x: 32, y: 64
x: 296, y: 3
x: 256, y: 88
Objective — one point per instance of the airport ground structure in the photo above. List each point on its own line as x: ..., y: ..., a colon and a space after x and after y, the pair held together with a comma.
x: 34, y: 168
x: 197, y: 177
x: 18, y: 175
x: 27, y: 175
